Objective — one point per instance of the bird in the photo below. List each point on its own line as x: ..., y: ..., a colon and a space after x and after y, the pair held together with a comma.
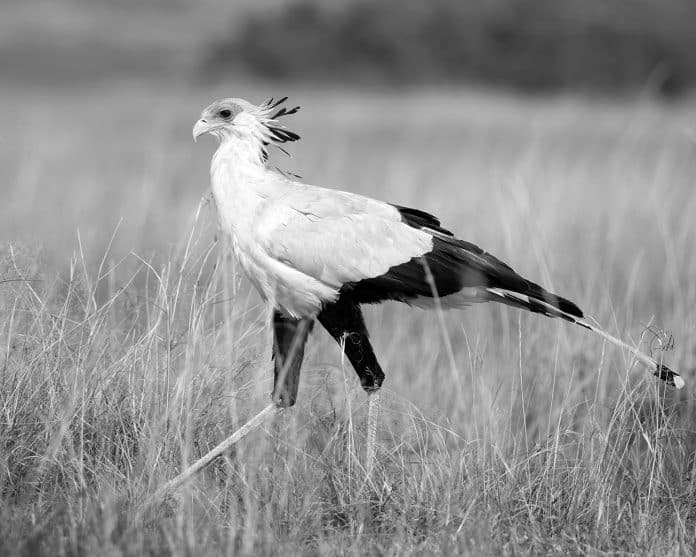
x: 320, y: 254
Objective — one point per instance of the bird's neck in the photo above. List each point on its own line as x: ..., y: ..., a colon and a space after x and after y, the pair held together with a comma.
x: 243, y: 153
x: 237, y: 167
x: 239, y: 180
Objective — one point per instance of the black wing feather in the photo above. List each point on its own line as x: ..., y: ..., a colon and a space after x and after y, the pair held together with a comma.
x: 420, y: 219
x: 449, y: 267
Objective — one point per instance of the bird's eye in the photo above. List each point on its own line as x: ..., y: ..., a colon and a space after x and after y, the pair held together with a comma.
x: 225, y: 113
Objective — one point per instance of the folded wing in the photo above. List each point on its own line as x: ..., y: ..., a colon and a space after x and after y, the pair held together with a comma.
x: 374, y: 251
x: 337, y: 237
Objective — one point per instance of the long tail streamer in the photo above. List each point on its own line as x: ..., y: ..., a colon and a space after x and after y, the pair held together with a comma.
x: 658, y: 369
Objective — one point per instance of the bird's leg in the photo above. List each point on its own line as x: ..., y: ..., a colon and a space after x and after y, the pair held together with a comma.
x: 372, y: 419
x: 289, y: 339
x: 344, y: 322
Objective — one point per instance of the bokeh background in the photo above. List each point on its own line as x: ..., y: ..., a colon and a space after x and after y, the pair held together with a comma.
x: 541, y: 45
x: 559, y: 135
x: 97, y: 96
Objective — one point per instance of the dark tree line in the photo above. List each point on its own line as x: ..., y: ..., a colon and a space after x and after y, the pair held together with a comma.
x: 607, y: 45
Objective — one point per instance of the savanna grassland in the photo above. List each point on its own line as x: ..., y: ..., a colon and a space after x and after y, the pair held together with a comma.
x: 130, y: 345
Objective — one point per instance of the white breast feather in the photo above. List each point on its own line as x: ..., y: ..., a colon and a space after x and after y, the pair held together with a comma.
x: 300, y: 244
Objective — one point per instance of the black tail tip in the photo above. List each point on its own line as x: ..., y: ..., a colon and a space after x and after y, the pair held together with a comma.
x: 670, y: 377
x: 569, y: 307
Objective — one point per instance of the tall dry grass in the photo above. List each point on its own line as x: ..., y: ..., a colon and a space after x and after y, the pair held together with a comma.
x: 501, y: 432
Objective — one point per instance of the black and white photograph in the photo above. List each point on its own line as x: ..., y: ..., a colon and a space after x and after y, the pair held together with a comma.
x: 347, y: 277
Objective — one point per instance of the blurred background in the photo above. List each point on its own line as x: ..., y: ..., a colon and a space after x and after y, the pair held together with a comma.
x: 482, y: 112
x: 560, y: 135
x: 532, y: 45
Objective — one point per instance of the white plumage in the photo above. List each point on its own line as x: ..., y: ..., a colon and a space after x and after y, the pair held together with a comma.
x: 299, y: 244
x: 314, y: 252
x: 335, y: 238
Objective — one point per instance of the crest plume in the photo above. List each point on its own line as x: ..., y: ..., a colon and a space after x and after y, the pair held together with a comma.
x: 277, y: 133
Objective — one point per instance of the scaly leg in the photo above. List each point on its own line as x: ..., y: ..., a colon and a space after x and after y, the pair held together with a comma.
x: 344, y: 322
x: 372, y: 418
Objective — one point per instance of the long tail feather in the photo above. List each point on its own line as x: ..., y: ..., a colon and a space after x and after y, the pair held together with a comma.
x: 658, y: 369
x: 538, y: 300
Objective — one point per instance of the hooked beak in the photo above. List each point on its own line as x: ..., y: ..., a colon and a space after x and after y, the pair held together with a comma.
x: 200, y: 128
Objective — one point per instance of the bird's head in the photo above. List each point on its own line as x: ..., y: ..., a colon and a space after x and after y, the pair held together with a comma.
x: 237, y: 118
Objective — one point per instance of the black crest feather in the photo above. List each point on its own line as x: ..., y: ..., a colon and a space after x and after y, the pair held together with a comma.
x: 278, y: 135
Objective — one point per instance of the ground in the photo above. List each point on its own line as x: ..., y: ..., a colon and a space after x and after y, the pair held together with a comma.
x: 130, y: 344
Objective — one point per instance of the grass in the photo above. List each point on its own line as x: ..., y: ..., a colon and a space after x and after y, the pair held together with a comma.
x: 131, y: 350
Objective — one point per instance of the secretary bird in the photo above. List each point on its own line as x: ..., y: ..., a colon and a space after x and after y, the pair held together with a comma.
x: 317, y: 254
